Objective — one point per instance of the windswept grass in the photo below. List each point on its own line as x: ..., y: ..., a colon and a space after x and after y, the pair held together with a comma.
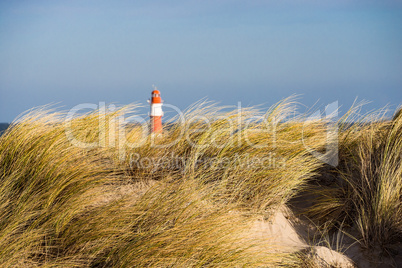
x: 45, y: 185
x: 54, y: 172
x: 367, y: 185
x: 93, y: 191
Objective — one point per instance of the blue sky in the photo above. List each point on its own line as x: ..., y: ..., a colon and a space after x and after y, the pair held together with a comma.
x: 256, y: 52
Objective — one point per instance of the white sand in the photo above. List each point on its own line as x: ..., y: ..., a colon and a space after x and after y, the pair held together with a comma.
x: 287, y: 233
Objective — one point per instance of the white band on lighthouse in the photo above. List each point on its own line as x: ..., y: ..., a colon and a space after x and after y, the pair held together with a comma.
x: 156, y: 109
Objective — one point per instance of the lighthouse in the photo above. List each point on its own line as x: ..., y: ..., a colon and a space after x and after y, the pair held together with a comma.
x: 156, y: 111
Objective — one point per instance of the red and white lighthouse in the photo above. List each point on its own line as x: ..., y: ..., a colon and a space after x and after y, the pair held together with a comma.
x: 156, y: 112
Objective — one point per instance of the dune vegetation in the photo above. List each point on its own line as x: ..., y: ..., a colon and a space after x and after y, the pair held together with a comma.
x: 366, y: 187
x: 93, y: 191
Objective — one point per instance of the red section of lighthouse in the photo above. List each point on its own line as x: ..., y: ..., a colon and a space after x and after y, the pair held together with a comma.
x: 156, y: 112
